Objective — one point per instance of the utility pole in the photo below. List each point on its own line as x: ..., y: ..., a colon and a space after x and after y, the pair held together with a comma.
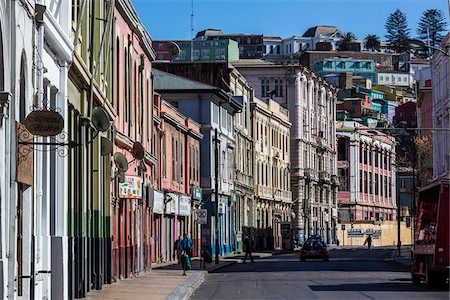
x: 216, y: 191
x: 192, y: 30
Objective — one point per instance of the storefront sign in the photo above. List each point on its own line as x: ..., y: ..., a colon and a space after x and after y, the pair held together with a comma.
x: 184, y: 207
x: 197, y: 193
x: 355, y: 232
x: 158, y: 203
x: 171, y: 201
x: 44, y: 123
x: 131, y: 188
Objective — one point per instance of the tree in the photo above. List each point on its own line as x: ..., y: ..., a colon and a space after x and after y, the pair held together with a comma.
x: 372, y: 42
x: 430, y: 27
x: 397, y: 32
x: 345, y: 39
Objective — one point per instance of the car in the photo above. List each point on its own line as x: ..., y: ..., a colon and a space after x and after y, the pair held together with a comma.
x: 314, y: 249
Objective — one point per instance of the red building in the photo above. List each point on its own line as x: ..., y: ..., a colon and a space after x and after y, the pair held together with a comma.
x: 407, y: 113
x: 176, y: 194
x: 133, y: 141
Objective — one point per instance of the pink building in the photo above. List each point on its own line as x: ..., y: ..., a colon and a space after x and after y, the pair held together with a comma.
x: 178, y: 181
x: 131, y: 214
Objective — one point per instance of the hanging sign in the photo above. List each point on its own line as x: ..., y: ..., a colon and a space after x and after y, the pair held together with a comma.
x: 184, y: 207
x: 158, y: 202
x: 131, y: 188
x: 171, y: 203
x: 44, y: 122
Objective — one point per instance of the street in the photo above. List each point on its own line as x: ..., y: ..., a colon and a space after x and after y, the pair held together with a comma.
x: 350, y: 274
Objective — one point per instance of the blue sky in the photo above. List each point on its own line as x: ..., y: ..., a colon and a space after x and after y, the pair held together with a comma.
x: 170, y: 19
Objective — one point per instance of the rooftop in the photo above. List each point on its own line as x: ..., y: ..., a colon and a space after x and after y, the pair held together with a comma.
x: 324, y: 30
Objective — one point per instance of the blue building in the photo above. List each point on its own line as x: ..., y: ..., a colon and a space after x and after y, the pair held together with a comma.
x: 358, y: 67
x: 212, y: 108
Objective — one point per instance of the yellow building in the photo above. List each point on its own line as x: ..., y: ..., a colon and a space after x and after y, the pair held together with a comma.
x: 273, y: 198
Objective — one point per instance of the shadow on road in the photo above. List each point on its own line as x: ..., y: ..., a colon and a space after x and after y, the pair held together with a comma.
x: 369, y: 287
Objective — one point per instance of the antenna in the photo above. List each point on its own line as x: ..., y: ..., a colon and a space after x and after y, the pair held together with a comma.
x: 192, y: 30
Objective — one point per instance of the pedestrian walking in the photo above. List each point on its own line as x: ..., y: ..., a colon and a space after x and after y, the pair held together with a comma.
x: 368, y: 241
x: 185, y: 262
x: 247, y: 248
x: 178, y: 248
x: 187, y: 245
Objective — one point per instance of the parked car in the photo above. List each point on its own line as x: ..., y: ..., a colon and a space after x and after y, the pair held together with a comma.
x: 314, y: 249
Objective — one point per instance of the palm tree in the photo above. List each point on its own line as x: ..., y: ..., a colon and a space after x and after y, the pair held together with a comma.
x: 345, y: 39
x: 372, y: 42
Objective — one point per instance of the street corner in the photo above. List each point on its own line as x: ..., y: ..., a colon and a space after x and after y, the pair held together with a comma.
x: 186, y: 289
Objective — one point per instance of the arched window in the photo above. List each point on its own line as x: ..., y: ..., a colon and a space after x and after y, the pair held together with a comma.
x: 22, y: 90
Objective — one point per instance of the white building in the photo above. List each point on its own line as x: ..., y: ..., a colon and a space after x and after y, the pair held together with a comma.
x: 393, y: 78
x: 441, y: 111
x: 35, y: 50
x: 311, y: 102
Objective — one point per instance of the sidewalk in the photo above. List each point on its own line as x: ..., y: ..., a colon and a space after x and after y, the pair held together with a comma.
x: 156, y: 284
x: 405, y: 256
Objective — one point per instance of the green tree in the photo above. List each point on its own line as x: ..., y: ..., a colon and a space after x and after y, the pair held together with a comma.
x: 430, y: 27
x: 372, y: 42
x: 345, y: 39
x: 397, y: 32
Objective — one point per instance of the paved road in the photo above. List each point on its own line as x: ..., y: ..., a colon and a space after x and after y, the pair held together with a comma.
x: 350, y: 274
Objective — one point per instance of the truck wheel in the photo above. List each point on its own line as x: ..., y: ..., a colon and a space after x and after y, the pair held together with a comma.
x: 416, y: 278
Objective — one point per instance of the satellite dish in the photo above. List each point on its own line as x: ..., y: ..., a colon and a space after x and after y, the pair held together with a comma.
x: 121, y: 176
x: 106, y: 146
x: 121, y: 161
x: 100, y: 119
x: 138, y: 151
x: 174, y: 49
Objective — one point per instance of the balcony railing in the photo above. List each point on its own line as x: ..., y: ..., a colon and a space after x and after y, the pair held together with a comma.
x: 263, y: 191
x: 282, y: 195
x: 324, y: 176
x: 310, y: 174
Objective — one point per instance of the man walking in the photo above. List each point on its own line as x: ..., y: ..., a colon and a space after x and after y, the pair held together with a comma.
x: 368, y: 241
x: 247, y: 248
x: 187, y: 245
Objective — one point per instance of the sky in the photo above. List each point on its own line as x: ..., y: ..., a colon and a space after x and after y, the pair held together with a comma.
x: 171, y: 19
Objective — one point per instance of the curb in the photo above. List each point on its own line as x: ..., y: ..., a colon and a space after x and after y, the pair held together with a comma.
x: 185, y: 290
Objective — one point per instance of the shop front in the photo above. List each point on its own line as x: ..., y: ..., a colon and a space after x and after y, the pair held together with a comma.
x: 157, y: 228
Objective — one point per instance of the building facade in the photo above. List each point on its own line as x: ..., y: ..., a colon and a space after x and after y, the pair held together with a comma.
x: 358, y: 67
x: 213, y: 109
x: 310, y: 101
x: 133, y: 131
x: 219, y: 50
x: 273, y: 198
x: 441, y: 111
x: 393, y: 78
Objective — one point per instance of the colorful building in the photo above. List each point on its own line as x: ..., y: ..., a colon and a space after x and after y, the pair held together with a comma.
x: 133, y: 132
x: 176, y: 195
x: 213, y: 109
x: 212, y: 51
x: 358, y: 67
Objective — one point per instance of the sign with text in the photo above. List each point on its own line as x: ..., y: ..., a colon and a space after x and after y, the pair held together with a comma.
x: 184, y: 206
x: 158, y: 203
x: 131, y: 188
x: 197, y: 193
x: 202, y: 216
x: 44, y: 123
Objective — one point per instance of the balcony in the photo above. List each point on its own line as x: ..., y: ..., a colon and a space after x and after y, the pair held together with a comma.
x: 324, y: 176
x: 263, y: 191
x: 310, y: 174
x: 282, y: 195
x: 335, y: 180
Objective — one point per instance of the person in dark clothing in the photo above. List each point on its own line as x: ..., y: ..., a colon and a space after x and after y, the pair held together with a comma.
x: 247, y: 248
x: 187, y: 245
x: 368, y: 241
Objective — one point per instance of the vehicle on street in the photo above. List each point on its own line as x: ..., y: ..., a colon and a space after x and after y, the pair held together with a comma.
x: 430, y: 254
x: 314, y: 249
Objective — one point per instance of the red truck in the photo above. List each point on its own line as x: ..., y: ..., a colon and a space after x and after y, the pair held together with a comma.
x: 430, y: 255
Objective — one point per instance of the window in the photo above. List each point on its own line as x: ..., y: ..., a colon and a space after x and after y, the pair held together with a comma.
x: 370, y: 183
x: 195, y: 54
x: 404, y: 79
x: 205, y: 54
x: 163, y: 161
x: 279, y: 87
x: 264, y: 87
x: 181, y: 162
x: 343, y: 179
x: 381, y: 78
x: 361, y: 185
x: 342, y: 149
x: 173, y: 158
x: 376, y: 184
x: 366, y: 181
x: 329, y: 64
x: 357, y: 65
